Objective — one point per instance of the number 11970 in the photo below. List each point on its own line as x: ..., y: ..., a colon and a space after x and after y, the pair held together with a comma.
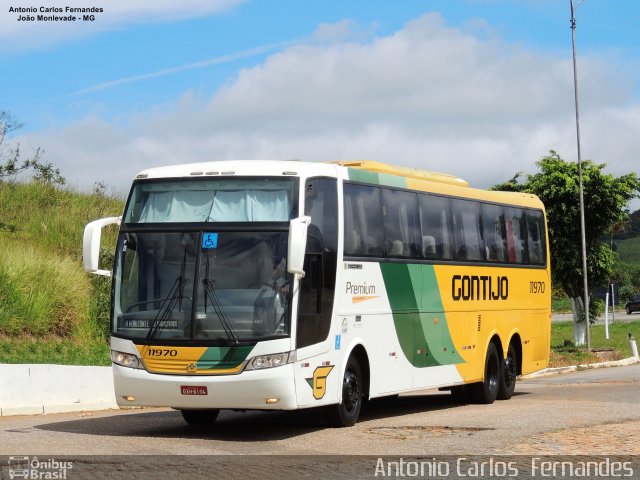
x: 536, y: 287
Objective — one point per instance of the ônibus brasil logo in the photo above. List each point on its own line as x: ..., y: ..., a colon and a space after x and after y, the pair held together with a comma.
x: 34, y: 469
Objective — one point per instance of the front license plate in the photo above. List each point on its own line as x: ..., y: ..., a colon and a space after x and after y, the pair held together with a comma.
x: 193, y: 390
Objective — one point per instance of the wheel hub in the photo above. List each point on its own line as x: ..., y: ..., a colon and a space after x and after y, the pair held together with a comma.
x: 350, y: 390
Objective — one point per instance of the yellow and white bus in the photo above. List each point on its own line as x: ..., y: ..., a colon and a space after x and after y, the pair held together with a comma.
x: 277, y: 285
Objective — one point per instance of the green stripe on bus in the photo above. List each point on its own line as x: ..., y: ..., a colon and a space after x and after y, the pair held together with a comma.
x: 223, y: 357
x: 376, y: 178
x: 418, y: 314
x: 363, y: 176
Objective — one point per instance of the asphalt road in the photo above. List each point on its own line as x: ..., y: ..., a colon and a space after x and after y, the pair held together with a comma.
x: 590, y: 412
x: 620, y: 316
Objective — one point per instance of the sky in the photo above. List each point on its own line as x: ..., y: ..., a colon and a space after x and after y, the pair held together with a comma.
x: 481, y: 89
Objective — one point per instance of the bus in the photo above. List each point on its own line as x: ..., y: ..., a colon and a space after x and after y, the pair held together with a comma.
x: 283, y: 285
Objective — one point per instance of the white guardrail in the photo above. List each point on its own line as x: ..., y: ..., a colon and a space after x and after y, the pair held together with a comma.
x: 34, y: 389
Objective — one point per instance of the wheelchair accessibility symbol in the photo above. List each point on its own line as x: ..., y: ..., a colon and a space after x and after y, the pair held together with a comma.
x: 209, y: 240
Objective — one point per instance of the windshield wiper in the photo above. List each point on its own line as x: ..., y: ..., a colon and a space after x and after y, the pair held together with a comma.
x: 176, y: 294
x: 215, y: 303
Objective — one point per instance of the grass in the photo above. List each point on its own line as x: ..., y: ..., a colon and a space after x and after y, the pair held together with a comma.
x: 41, y: 294
x: 564, y: 353
x: 54, y: 349
x: 50, y: 218
x: 629, y: 250
x: 560, y: 304
x: 51, y: 311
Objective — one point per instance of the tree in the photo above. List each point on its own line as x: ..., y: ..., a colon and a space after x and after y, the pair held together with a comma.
x: 12, y: 162
x: 605, y: 198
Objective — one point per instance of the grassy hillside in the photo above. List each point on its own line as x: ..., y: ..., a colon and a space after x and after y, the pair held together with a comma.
x: 49, y: 307
x: 629, y: 250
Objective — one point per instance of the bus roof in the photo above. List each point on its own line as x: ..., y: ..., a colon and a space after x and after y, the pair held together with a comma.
x: 407, y: 172
x: 412, y: 178
x: 225, y: 168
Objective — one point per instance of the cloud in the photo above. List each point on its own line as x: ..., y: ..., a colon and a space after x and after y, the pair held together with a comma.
x: 428, y: 96
x: 15, y: 35
x: 252, y: 52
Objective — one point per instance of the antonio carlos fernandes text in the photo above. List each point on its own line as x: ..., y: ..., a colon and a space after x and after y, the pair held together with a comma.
x: 503, y: 468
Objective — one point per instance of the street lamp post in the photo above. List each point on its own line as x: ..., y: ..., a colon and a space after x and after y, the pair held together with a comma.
x: 582, y: 223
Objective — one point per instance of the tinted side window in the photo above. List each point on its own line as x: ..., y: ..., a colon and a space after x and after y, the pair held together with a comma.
x: 536, y: 238
x: 466, y: 217
x: 321, y: 204
x: 494, y: 233
x: 362, y: 220
x: 516, y: 230
x: 399, y: 210
x: 435, y: 218
x: 318, y: 285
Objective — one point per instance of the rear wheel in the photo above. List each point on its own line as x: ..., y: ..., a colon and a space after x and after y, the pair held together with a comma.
x: 346, y: 413
x: 509, y: 373
x: 628, y: 310
x: 200, y: 418
x: 487, y: 390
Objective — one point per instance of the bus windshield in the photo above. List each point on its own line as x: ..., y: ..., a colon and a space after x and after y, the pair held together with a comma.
x: 206, y: 286
x: 261, y: 199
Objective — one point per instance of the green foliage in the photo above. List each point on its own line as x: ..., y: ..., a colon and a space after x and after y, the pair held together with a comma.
x: 101, y: 309
x: 63, y: 351
x: 12, y: 162
x: 560, y: 304
x: 630, y: 228
x: 628, y: 250
x: 48, y: 303
x: 627, y: 277
x: 605, y: 198
x: 562, y: 332
x: 52, y: 218
x: 42, y: 294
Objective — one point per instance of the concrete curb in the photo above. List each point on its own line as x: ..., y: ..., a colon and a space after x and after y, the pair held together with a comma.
x: 575, y: 368
x: 31, y: 389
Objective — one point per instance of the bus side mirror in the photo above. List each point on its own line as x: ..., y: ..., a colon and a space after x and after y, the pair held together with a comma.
x: 91, y: 244
x: 297, y: 244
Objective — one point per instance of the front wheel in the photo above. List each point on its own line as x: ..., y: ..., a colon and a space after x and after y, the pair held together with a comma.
x: 200, y: 418
x: 628, y: 310
x: 509, y: 373
x: 346, y: 413
x: 487, y: 390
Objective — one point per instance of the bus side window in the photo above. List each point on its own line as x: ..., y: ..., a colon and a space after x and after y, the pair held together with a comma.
x: 435, y: 221
x: 516, y: 230
x: 469, y: 244
x: 317, y: 288
x: 362, y: 221
x: 536, y: 239
x: 494, y: 234
x: 399, y: 211
x: 311, y: 284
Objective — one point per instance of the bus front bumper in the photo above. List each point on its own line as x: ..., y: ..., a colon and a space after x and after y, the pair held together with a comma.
x: 267, y: 389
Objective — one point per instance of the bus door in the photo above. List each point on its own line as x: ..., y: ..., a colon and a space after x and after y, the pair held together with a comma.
x: 316, y: 294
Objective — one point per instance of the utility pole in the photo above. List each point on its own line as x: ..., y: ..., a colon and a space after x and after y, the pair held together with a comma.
x: 582, y: 223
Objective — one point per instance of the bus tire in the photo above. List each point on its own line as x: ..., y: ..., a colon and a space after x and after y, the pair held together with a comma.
x: 460, y: 394
x: 509, y: 373
x: 200, y: 418
x: 346, y: 413
x: 487, y: 391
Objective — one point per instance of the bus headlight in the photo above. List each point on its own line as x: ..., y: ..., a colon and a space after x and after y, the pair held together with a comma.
x: 125, y: 359
x: 270, y: 361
